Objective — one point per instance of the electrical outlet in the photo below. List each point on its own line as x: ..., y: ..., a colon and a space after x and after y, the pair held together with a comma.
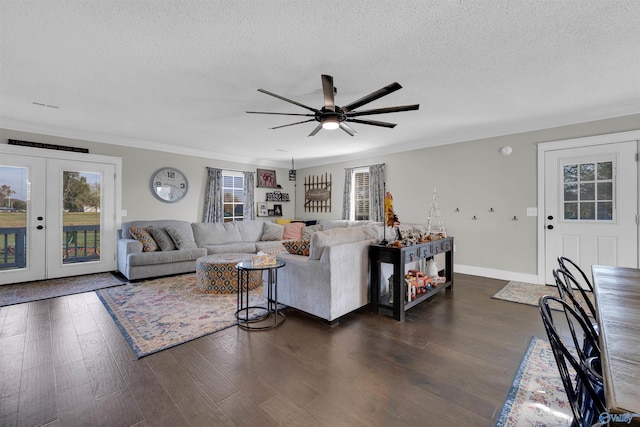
x: 123, y: 212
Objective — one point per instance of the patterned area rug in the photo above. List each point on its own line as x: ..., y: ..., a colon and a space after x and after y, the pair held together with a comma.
x: 527, y: 293
x: 157, y: 314
x: 44, y: 289
x: 537, y: 396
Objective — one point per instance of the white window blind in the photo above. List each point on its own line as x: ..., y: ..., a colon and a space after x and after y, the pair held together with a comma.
x: 233, y: 195
x: 361, y: 194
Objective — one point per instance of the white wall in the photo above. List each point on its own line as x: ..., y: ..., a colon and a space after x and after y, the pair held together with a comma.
x: 471, y: 176
x: 137, y: 167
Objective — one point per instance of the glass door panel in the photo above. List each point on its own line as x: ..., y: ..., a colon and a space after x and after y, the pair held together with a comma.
x: 21, y: 219
x: 81, y: 195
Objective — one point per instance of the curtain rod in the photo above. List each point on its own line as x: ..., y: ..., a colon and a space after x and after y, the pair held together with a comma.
x: 230, y: 170
x: 366, y: 166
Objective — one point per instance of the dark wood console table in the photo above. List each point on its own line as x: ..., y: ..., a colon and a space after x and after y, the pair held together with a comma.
x: 398, y: 258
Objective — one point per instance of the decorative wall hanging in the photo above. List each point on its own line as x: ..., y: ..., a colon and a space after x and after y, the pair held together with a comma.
x: 317, y: 193
x: 267, y: 178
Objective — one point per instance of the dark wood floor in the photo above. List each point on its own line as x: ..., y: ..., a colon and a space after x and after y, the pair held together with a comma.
x: 63, y: 362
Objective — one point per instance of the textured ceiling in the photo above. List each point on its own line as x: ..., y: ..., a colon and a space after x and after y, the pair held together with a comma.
x: 179, y: 75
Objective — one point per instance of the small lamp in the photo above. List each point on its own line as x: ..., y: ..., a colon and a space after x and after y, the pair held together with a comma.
x: 330, y: 122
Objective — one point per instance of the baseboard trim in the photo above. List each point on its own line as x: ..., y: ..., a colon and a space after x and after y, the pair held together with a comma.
x: 496, y: 274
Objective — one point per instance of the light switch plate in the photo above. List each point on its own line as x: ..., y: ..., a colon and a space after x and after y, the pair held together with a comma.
x: 532, y: 211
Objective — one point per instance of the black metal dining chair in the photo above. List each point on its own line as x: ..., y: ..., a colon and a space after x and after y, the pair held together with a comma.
x: 580, y: 281
x: 585, y: 390
x: 564, y: 282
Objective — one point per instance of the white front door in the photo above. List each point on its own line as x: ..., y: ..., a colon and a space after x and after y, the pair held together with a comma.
x: 591, y: 206
x: 57, y: 217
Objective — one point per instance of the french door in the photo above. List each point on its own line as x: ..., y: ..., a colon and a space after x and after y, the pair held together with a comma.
x: 591, y: 206
x: 57, y: 215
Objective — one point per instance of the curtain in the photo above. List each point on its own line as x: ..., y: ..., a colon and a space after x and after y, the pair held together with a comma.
x: 213, y: 211
x: 346, y: 195
x: 248, y: 207
x: 376, y: 192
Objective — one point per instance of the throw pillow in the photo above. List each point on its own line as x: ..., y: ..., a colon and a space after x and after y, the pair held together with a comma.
x: 308, y: 231
x: 311, y: 222
x: 293, y: 231
x: 162, y: 238
x: 181, y: 238
x: 272, y: 231
x: 297, y: 247
x: 282, y: 221
x: 142, y: 235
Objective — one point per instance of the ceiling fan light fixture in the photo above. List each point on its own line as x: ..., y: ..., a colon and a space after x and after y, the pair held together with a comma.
x: 330, y: 123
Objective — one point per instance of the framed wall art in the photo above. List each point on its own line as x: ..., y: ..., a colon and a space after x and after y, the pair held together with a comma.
x: 277, y: 210
x: 262, y: 209
x: 266, y: 178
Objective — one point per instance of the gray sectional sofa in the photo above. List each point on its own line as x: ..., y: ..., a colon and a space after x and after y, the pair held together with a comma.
x: 195, y: 240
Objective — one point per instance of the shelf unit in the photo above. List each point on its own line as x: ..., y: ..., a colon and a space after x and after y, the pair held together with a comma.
x: 399, y: 258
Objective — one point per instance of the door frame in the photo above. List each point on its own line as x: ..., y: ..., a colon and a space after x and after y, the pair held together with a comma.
x: 543, y: 148
x: 81, y: 157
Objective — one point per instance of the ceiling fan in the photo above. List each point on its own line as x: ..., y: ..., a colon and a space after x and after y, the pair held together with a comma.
x: 331, y: 116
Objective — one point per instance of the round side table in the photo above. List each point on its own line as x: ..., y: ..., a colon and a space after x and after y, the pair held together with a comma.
x: 249, y: 315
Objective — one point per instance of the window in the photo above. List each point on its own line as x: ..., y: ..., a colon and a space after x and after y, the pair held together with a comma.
x: 233, y: 195
x: 588, y: 191
x: 360, y: 196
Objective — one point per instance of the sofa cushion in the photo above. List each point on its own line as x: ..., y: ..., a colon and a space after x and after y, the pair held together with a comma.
x: 297, y: 247
x: 250, y: 230
x: 330, y: 224
x: 323, y: 239
x: 162, y: 238
x: 162, y: 257
x: 143, y: 236
x: 272, y: 231
x: 215, y: 233
x: 181, y: 236
x: 293, y: 231
x: 308, y: 231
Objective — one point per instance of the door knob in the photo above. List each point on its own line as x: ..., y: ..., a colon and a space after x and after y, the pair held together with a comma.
x: 550, y: 227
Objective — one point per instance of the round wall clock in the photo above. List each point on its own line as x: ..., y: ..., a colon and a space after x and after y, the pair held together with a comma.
x: 169, y: 184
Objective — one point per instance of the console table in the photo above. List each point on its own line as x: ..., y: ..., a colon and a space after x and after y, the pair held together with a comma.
x: 398, y: 258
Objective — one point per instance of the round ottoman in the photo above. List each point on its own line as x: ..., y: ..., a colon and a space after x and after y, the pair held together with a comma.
x: 217, y: 274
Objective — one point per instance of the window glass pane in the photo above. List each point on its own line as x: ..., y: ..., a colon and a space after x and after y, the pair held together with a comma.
x: 605, y: 211
x: 605, y: 170
x: 238, y: 196
x: 238, y: 211
x: 605, y: 191
x: 570, y: 192
x: 587, y: 191
x: 237, y: 182
x: 570, y: 173
x: 570, y: 211
x: 227, y: 196
x: 588, y: 210
x: 587, y: 172
x: 228, y: 211
x: 227, y: 181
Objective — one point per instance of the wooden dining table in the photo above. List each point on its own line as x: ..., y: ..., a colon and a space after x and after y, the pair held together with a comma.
x: 617, y: 297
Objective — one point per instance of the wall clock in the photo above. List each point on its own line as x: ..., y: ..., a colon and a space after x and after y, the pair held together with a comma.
x: 169, y: 184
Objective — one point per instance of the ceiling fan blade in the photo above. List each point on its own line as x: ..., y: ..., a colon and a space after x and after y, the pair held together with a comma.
x: 327, y: 90
x: 291, y: 124
x: 372, y: 97
x: 280, y: 114
x: 287, y: 100
x: 348, y: 129
x: 373, y: 122
x: 384, y: 110
x: 316, y: 130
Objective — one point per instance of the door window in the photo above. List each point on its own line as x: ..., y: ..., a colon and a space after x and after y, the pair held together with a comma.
x: 588, y: 191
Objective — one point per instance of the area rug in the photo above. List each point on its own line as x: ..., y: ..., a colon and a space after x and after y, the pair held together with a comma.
x: 51, y: 288
x: 529, y: 294
x: 157, y: 314
x: 537, y: 396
